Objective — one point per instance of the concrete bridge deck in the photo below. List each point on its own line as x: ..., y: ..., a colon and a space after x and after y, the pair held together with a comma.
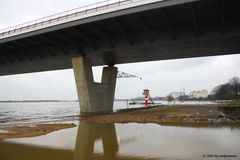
x: 131, y: 31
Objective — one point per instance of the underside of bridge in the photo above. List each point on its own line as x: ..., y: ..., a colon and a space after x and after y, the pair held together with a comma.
x: 161, y: 30
x: 168, y: 29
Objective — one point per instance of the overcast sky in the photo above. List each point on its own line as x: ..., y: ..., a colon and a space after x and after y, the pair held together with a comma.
x: 161, y: 77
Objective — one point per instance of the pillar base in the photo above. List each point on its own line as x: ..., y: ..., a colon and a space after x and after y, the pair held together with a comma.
x: 94, y: 98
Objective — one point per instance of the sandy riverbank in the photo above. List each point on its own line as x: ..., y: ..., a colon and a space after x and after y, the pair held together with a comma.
x: 31, y: 131
x: 190, y: 115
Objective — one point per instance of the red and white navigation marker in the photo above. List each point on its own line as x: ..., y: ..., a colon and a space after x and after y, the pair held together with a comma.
x: 146, y: 94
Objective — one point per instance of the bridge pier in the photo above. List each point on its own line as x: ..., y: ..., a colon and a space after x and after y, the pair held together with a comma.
x: 94, y: 97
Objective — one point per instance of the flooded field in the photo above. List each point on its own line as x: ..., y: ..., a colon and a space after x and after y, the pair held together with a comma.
x: 114, y: 141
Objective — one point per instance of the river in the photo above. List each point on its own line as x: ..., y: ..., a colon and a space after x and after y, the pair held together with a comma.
x: 113, y: 141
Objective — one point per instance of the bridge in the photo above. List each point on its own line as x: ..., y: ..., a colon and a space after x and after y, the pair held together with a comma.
x: 115, y: 32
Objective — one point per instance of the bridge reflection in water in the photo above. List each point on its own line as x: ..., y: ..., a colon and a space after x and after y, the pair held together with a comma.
x: 87, y: 135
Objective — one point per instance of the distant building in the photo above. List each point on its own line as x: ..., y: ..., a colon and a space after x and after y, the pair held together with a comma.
x: 199, y: 94
x: 176, y: 95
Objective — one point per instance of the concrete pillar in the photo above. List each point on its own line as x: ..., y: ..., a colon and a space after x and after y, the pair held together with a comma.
x: 94, y: 97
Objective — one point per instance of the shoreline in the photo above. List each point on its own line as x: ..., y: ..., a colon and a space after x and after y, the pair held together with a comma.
x: 31, y: 130
x: 177, y: 115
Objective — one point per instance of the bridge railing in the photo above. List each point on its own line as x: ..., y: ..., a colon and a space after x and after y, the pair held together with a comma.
x: 66, y: 15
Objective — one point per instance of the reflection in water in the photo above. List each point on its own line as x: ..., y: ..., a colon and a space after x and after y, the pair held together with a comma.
x: 87, y: 135
x: 124, y: 142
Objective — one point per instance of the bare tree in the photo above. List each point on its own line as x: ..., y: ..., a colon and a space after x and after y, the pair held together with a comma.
x: 235, y: 83
x: 170, y: 98
x: 230, y: 90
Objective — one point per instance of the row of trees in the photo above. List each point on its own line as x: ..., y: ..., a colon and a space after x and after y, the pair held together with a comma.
x: 229, y: 90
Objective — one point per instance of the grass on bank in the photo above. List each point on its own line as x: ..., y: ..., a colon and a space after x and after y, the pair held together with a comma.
x: 234, y: 102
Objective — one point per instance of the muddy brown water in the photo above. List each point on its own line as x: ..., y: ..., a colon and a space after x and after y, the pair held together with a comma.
x: 126, y: 142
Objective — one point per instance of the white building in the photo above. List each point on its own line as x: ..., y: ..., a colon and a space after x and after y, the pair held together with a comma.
x: 199, y: 94
x: 176, y: 95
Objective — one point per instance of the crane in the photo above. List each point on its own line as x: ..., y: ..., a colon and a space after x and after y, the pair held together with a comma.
x: 126, y: 75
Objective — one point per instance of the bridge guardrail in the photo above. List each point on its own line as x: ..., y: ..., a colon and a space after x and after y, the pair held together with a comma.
x: 66, y: 15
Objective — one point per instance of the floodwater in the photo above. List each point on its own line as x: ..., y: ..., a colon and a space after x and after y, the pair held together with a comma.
x: 118, y: 141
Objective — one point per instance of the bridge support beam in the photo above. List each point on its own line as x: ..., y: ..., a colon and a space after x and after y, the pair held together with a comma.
x: 94, y: 97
